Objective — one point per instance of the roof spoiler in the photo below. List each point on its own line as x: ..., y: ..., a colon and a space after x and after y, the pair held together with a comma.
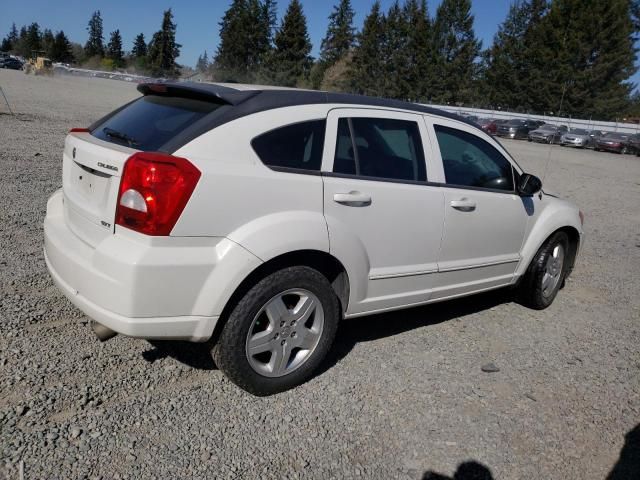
x: 206, y: 92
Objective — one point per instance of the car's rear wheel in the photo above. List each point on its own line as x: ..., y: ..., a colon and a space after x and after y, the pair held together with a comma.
x: 545, y: 275
x: 279, y: 332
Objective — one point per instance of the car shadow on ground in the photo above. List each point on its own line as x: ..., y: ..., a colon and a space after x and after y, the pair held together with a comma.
x: 350, y: 333
x: 374, y: 327
x: 195, y: 355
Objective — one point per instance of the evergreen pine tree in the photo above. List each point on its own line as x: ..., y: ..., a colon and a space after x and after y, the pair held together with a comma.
x: 163, y: 49
x: 95, y: 43
x: 33, y: 39
x: 456, y: 49
x: 366, y: 74
x: 419, y: 50
x: 508, y: 72
x: 246, y: 30
x: 395, y: 54
x: 47, y: 42
x: 21, y: 46
x: 291, y: 61
x: 10, y: 41
x: 338, y: 41
x: 61, y: 50
x: 114, y: 49
x: 139, y: 49
x: 585, y: 59
x: 203, y: 63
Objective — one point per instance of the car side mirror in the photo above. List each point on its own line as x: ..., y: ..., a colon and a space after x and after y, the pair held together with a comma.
x: 529, y: 185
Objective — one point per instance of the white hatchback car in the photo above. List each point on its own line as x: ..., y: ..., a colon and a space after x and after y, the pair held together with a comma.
x: 258, y: 218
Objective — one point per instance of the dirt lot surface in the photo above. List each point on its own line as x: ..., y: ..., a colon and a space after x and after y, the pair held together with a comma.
x: 403, y: 394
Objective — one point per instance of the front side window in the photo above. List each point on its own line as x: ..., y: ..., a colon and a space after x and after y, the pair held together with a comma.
x: 297, y: 146
x: 380, y: 148
x: 470, y: 161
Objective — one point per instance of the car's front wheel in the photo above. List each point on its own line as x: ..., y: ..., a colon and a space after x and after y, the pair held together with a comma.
x: 279, y: 332
x: 546, y: 273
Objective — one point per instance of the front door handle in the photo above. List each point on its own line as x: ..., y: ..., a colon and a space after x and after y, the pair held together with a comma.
x: 464, y: 205
x: 352, y: 199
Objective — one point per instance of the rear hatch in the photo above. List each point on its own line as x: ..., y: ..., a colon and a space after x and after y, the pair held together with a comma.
x: 93, y: 160
x: 91, y: 172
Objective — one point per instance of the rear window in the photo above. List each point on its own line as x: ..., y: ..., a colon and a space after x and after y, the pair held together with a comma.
x: 297, y: 146
x: 151, y: 121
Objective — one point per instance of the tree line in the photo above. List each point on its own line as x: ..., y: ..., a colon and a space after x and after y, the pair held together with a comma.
x: 578, y: 53
x: 547, y: 55
x: 157, y: 57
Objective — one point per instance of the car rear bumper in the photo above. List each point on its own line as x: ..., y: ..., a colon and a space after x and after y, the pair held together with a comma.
x: 146, y: 287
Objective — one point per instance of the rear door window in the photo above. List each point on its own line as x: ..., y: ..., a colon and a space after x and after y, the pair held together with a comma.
x: 380, y: 148
x: 151, y: 121
x: 298, y: 146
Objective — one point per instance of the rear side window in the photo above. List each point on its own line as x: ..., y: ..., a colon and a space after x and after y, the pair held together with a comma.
x: 297, y: 146
x: 470, y: 161
x: 381, y: 148
x: 151, y: 121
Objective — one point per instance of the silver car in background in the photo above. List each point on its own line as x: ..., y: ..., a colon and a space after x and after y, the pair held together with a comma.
x: 547, y: 133
x: 577, y: 137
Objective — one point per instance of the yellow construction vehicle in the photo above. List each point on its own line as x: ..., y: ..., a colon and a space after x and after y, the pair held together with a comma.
x: 38, y: 64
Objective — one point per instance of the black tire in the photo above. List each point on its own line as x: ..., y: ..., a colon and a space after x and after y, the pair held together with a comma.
x: 531, y: 290
x: 229, y: 352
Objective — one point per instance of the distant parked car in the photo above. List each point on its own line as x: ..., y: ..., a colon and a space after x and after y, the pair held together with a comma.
x: 11, y: 63
x: 634, y: 144
x: 489, y: 125
x: 547, y: 133
x: 578, y: 137
x: 517, y: 128
x: 613, y: 142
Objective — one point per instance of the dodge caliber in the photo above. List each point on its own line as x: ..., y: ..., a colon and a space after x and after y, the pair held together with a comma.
x: 257, y: 219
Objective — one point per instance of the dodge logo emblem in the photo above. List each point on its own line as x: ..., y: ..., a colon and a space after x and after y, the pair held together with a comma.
x: 73, y: 153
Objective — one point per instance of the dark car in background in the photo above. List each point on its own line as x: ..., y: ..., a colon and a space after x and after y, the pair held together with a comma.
x: 11, y: 63
x: 488, y: 125
x: 634, y: 144
x: 614, y: 142
x: 517, y: 128
x: 594, y: 135
x: 547, y: 133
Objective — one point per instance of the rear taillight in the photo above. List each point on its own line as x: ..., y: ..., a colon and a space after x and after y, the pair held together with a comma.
x: 79, y: 130
x: 154, y: 189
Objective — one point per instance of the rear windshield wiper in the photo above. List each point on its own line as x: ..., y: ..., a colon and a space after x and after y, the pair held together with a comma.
x: 110, y: 132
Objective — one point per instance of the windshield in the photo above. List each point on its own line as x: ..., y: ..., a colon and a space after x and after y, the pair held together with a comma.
x: 151, y: 121
x: 548, y: 127
x: 515, y: 123
x: 579, y: 131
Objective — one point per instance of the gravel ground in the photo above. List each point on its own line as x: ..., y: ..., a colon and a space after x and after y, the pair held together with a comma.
x: 403, y: 394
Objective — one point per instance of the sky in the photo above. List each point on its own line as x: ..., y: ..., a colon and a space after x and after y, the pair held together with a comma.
x: 197, y: 20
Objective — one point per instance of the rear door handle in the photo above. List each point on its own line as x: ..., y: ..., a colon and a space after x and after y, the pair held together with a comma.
x: 464, y: 205
x: 352, y: 199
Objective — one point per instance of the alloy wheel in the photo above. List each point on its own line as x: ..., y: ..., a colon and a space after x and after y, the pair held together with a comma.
x: 285, y: 333
x: 553, y: 271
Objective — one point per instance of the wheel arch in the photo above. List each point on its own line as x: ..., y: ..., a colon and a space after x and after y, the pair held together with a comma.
x: 574, y: 245
x: 324, y: 262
